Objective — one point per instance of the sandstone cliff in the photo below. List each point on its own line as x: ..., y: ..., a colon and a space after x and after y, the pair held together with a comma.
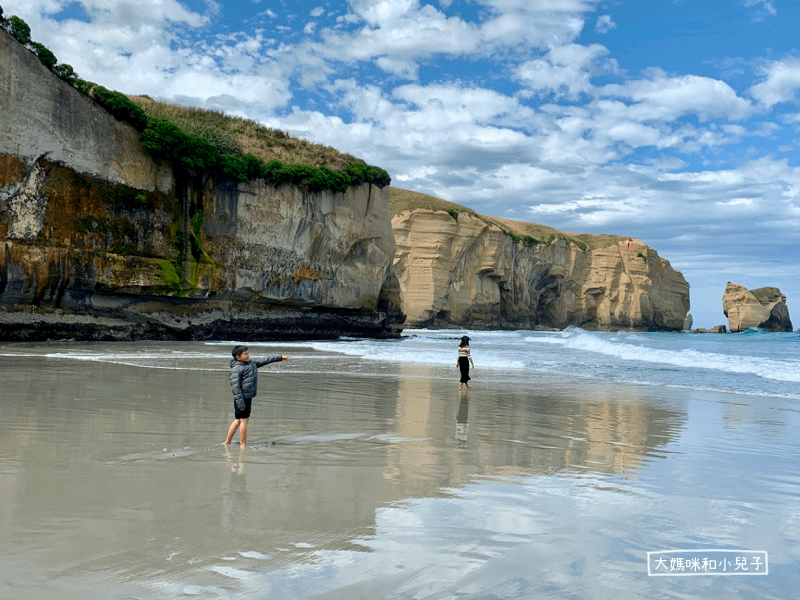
x: 99, y: 241
x: 458, y: 268
x: 764, y: 308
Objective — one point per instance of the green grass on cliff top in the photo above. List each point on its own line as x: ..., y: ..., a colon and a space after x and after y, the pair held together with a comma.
x: 239, y: 136
x: 401, y: 200
x: 234, y: 135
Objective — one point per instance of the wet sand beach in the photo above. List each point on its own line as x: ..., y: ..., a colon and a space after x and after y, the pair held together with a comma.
x: 377, y: 481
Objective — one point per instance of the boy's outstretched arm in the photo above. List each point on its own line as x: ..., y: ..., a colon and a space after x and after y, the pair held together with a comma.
x: 270, y: 359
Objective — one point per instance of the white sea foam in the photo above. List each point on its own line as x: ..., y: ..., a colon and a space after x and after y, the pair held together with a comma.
x: 780, y: 370
x: 417, y: 352
x: 254, y: 554
x: 752, y: 363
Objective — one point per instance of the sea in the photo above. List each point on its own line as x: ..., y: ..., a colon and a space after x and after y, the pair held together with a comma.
x: 751, y: 363
x: 578, y: 465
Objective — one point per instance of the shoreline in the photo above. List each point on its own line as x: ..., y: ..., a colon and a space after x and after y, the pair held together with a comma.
x: 114, y: 480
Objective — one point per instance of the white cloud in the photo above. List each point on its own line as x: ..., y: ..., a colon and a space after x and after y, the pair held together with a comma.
x: 766, y: 4
x: 737, y: 202
x: 135, y: 14
x: 384, y: 12
x: 633, y: 134
x: 665, y: 98
x: 565, y: 70
x: 551, y: 6
x: 733, y: 129
x: 459, y: 103
x: 402, y: 32
x: 317, y: 12
x: 399, y: 33
x: 531, y: 27
x: 780, y: 84
x: 604, y: 24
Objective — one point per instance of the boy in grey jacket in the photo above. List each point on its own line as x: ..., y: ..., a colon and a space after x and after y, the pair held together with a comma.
x: 244, y: 385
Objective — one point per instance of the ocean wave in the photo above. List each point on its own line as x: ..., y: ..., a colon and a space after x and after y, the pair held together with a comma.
x: 623, y: 349
x: 422, y: 351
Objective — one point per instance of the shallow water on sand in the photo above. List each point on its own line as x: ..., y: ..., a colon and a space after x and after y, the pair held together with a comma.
x: 378, y: 480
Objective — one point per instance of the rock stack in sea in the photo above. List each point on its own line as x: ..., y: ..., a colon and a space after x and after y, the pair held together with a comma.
x: 763, y: 308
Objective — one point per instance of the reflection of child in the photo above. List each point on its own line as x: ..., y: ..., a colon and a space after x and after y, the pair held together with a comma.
x: 237, y: 462
x: 244, y: 385
x: 462, y: 419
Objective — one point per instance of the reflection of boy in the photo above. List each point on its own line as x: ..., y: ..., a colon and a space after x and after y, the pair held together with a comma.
x: 244, y: 385
x: 237, y: 462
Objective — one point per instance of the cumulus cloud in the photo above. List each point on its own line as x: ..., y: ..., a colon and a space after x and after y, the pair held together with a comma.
x: 565, y: 70
x: 134, y: 15
x: 121, y: 38
x: 405, y: 31
x: 604, y: 24
x: 781, y: 80
x: 400, y: 31
x: 661, y: 97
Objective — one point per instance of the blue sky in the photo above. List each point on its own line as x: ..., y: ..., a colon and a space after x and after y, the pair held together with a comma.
x: 675, y: 122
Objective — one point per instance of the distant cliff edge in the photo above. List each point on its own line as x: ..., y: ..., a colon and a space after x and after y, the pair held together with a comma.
x: 457, y: 268
x: 99, y: 240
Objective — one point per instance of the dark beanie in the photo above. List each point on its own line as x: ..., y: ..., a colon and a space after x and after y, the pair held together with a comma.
x: 237, y: 350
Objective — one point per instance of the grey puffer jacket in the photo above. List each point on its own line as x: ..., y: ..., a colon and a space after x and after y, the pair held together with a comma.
x: 244, y: 378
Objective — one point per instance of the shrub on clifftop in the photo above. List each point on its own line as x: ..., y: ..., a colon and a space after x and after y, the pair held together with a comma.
x: 19, y: 29
x: 167, y: 141
x: 208, y: 143
x: 120, y: 106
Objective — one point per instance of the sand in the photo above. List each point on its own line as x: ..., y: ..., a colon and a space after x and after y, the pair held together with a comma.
x: 114, y: 483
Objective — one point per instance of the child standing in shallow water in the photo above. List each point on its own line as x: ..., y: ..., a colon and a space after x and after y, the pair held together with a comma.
x: 244, y: 385
x: 464, y: 361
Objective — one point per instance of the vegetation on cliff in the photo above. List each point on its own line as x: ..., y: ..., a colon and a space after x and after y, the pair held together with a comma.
x: 519, y: 231
x: 234, y: 135
x: 203, y: 148
x: 202, y: 144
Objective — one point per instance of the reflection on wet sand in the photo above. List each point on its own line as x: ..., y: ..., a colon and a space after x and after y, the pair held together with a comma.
x: 118, y: 470
x: 462, y: 418
x: 517, y: 432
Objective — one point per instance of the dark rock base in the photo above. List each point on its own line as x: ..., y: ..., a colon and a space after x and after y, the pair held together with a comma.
x: 182, y: 320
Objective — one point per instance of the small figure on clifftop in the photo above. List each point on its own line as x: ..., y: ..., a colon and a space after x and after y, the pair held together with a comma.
x: 244, y: 385
x: 464, y: 361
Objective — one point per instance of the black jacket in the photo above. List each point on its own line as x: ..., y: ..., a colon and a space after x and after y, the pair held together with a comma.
x: 244, y: 378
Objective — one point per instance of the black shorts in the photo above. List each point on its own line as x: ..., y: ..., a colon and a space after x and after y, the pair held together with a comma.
x: 243, y: 414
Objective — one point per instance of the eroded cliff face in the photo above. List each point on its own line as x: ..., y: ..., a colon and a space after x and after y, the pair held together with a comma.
x: 763, y: 308
x: 99, y: 241
x: 465, y: 272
